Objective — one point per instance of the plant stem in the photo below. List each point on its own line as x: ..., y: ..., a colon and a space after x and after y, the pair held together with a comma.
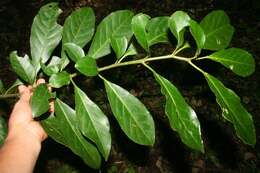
x: 143, y: 60
x: 7, y: 96
x: 196, y: 67
x: 204, y: 57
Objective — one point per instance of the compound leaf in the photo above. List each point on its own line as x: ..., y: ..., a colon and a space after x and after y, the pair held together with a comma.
x: 79, y: 27
x: 233, y: 111
x: 93, y: 123
x: 60, y: 79
x: 132, y: 116
x: 197, y: 33
x: 157, y: 30
x: 239, y: 61
x: 63, y: 128
x: 119, y: 45
x: 45, y: 34
x: 87, y: 66
x: 182, y: 117
x: 3, y: 130
x: 73, y: 51
x: 116, y: 24
x: 40, y: 100
x: 217, y: 29
x: 177, y: 23
x: 139, y: 23
x: 23, y: 67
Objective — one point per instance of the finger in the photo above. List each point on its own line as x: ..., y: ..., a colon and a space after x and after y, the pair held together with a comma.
x: 51, y: 104
x: 21, y: 88
x: 25, y: 93
x: 49, y: 88
x: 40, y: 81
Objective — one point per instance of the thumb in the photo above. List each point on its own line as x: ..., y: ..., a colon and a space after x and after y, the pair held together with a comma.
x: 25, y: 93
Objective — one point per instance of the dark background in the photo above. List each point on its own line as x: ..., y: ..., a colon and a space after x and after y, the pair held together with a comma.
x: 224, y: 151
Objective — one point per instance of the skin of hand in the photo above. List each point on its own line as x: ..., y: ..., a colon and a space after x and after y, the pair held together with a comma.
x: 23, y: 142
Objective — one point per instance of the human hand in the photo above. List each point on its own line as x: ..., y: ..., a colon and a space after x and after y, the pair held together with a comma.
x: 21, y: 122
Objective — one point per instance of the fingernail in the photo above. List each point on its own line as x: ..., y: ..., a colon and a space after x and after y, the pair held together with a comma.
x: 21, y: 88
x: 40, y: 81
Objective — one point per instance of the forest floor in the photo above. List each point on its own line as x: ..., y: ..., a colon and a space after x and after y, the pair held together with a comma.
x: 224, y: 152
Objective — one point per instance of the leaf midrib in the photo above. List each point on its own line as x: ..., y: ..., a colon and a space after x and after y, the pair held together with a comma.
x: 216, y: 30
x: 229, y: 60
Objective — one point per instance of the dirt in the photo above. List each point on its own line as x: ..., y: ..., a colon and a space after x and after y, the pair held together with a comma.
x: 224, y: 152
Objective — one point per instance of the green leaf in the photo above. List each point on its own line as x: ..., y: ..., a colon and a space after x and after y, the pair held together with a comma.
x: 132, y: 116
x: 93, y: 123
x: 130, y: 51
x: 63, y: 128
x: 2, y: 88
x: 239, y: 61
x: 53, y: 67
x: 233, y: 111
x: 73, y: 51
x: 79, y: 27
x: 60, y: 79
x: 119, y: 45
x: 40, y: 100
x: 16, y: 83
x: 197, y: 33
x: 177, y: 23
x: 217, y: 29
x: 182, y: 117
x: 64, y: 61
x: 116, y: 24
x: 139, y: 23
x: 87, y: 66
x: 157, y: 30
x: 45, y: 34
x: 23, y: 67
x: 3, y: 130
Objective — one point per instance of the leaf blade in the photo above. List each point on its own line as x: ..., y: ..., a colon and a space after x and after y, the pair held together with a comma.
x: 93, y: 123
x: 87, y: 66
x: 3, y: 130
x: 132, y: 116
x: 119, y: 45
x: 177, y: 23
x: 239, y: 61
x: 39, y: 101
x: 46, y: 34
x: 23, y: 67
x: 74, y: 51
x: 217, y: 29
x: 116, y: 24
x: 60, y: 79
x: 63, y: 128
x: 79, y: 27
x: 197, y: 33
x: 233, y: 111
x: 182, y: 117
x: 157, y: 30
x: 139, y: 23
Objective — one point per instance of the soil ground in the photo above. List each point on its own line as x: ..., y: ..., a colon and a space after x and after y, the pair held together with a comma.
x: 225, y: 153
